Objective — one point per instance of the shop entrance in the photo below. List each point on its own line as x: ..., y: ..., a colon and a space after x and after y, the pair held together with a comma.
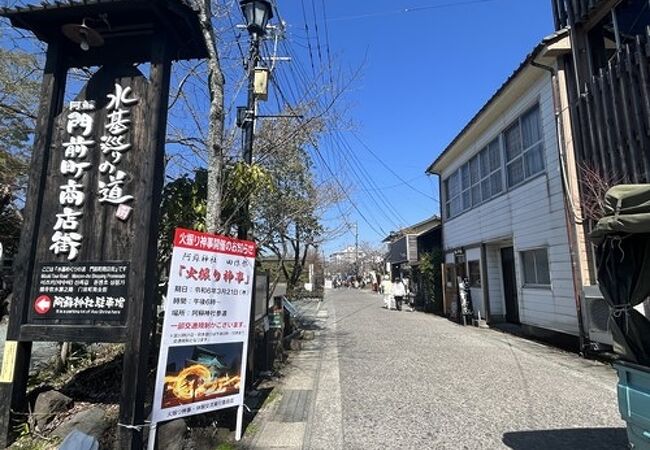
x: 510, y: 284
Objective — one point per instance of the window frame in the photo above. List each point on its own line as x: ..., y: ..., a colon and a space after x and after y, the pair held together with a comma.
x: 522, y: 258
x: 523, y: 153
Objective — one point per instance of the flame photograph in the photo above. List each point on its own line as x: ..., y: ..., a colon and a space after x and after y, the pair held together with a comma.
x: 197, y: 373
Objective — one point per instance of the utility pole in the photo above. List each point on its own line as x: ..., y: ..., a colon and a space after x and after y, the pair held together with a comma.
x: 356, y: 248
x: 257, y: 13
x: 245, y: 224
x: 248, y: 130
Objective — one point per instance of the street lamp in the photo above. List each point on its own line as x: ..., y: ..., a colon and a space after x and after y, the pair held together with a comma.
x: 257, y: 14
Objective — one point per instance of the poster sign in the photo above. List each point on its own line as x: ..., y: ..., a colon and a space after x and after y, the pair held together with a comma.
x: 8, y: 362
x: 81, y: 291
x: 202, y: 361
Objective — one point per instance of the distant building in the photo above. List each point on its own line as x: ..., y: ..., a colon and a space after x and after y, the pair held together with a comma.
x: 347, y: 256
x: 406, y: 245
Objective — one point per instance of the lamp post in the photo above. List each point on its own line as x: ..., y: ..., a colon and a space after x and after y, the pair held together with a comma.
x: 257, y: 14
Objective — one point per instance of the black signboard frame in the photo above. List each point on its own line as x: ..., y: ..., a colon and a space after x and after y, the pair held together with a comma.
x: 92, y: 292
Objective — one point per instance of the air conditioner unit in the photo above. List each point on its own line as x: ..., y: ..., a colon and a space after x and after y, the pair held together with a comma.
x: 596, y: 314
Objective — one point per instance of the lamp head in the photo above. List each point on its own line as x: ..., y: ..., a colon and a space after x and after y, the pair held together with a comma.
x: 257, y: 14
x: 83, y: 35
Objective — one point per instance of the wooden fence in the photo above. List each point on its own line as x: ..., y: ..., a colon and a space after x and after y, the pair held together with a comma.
x: 614, y: 115
x: 568, y: 12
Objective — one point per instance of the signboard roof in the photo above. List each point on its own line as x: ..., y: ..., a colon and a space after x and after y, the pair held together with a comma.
x: 127, y: 27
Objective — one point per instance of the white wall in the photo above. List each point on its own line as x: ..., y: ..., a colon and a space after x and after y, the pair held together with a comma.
x: 531, y: 215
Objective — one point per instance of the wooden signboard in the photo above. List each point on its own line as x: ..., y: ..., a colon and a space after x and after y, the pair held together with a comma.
x: 85, y: 267
x: 85, y: 270
x: 88, y: 263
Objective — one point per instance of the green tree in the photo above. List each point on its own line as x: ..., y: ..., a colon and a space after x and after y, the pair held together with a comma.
x: 286, y: 216
x: 184, y: 205
x: 430, y: 271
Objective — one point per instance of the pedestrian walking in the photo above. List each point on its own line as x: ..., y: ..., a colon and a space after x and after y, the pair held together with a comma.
x: 399, y: 292
x: 387, y: 291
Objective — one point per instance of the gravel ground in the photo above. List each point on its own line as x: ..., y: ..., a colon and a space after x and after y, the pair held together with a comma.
x: 414, y: 380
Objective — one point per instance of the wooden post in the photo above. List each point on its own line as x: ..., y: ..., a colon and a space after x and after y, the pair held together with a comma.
x: 136, y: 354
x: 250, y: 357
x: 443, y: 276
x: 51, y: 102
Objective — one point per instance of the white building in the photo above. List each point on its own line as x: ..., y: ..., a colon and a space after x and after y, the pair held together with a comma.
x: 347, y: 256
x: 503, y: 204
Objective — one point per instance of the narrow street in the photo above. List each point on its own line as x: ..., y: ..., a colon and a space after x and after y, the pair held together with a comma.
x: 378, y: 379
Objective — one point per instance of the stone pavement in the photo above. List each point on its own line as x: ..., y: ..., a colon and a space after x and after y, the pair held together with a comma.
x: 378, y: 379
x: 304, y: 410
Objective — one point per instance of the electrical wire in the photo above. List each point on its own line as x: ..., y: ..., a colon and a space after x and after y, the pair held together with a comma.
x: 304, y: 16
x: 409, y: 10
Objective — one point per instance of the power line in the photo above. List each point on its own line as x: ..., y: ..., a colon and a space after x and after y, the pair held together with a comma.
x: 327, y: 42
x: 343, y: 150
x: 304, y: 16
x: 331, y: 171
x: 320, y: 56
x: 409, y: 10
x: 380, y: 202
x: 387, y: 167
x: 379, y: 233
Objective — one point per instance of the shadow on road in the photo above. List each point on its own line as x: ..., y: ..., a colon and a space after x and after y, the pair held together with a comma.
x: 568, y: 439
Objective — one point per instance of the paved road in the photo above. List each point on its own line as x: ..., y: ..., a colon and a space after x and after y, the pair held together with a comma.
x: 378, y: 379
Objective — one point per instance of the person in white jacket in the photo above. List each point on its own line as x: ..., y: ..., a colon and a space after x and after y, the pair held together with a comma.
x: 386, y: 289
x: 399, y: 292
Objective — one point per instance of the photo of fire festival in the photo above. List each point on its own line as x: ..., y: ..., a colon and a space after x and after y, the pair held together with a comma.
x: 198, y: 373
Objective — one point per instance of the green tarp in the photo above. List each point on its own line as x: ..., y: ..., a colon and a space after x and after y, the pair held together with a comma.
x: 627, y: 211
x: 623, y: 258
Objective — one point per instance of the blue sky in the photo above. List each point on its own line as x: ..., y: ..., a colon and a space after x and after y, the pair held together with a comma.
x: 424, y: 68
x: 424, y: 74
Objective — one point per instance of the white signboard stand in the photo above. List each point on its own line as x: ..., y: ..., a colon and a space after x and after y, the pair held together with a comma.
x: 202, y: 361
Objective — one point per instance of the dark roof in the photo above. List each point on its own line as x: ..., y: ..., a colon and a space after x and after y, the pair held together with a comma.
x: 419, y: 228
x: 529, y: 58
x: 127, y: 27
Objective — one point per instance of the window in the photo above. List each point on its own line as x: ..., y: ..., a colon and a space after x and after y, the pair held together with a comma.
x: 535, y: 267
x: 467, y: 201
x: 481, y: 178
x: 453, y: 195
x: 524, y: 148
x: 474, y: 274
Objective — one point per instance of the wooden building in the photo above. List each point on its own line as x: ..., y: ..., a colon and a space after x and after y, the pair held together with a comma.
x: 405, y: 246
x: 504, y: 206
